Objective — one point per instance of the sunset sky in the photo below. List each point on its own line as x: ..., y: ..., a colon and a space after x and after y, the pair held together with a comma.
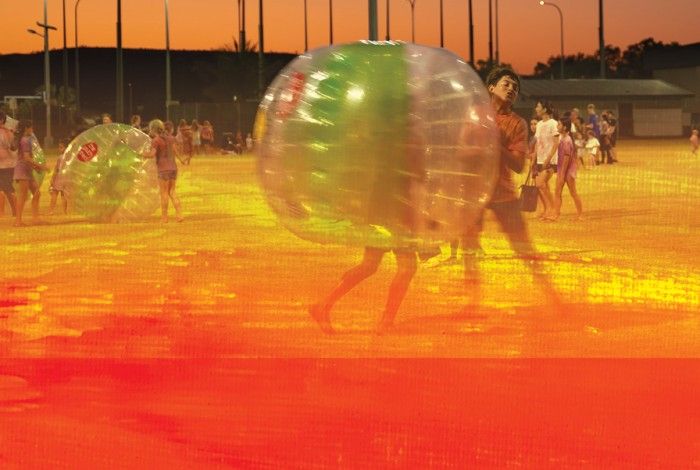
x: 528, y: 32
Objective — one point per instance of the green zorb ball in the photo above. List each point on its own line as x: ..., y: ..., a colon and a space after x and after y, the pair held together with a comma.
x: 379, y: 144
x: 105, y: 176
x: 38, y: 157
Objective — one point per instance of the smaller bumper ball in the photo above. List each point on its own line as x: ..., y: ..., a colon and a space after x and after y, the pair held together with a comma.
x: 105, y: 177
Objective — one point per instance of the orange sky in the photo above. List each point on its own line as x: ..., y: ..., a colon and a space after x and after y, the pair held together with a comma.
x: 528, y: 32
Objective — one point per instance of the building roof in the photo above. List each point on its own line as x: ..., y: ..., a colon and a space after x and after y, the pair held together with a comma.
x: 680, y: 57
x: 601, y: 88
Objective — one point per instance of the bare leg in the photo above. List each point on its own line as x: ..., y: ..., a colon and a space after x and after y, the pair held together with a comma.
x: 571, y: 183
x: 22, y: 191
x: 176, y: 200
x: 542, y: 182
x: 514, y: 227
x: 36, y: 196
x: 471, y: 253
x: 52, y: 203
x: 406, y: 266
x: 558, y: 190
x: 164, y: 196
x: 368, y: 266
x: 2, y: 203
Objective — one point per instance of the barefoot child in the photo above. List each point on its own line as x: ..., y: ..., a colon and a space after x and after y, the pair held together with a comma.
x: 162, y: 149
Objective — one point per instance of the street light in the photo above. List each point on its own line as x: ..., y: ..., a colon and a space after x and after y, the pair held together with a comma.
x: 77, y: 65
x: 65, y: 57
x: 413, y: 20
x: 48, y: 139
x: 561, y: 24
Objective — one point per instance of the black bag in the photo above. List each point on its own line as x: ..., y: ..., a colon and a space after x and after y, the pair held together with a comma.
x: 528, y: 194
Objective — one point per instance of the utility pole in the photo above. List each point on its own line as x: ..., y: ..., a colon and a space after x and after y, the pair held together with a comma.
x: 373, y: 20
x: 261, y: 51
x: 120, y: 67
x: 471, y: 34
x: 601, y: 39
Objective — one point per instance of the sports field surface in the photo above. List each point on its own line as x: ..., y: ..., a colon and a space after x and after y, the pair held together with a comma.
x: 189, y: 345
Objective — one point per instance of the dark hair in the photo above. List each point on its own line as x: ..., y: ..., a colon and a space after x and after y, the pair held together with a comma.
x: 566, y: 121
x: 23, y: 125
x: 547, y: 105
x: 3, y: 117
x: 499, y: 72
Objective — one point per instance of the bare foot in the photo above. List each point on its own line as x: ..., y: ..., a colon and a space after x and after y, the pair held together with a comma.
x: 19, y: 224
x: 163, y: 220
x: 322, y: 317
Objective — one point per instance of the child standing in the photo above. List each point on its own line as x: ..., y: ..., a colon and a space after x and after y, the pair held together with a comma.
x: 567, y: 165
x: 23, y: 174
x: 694, y: 141
x: 56, y: 186
x: 592, y: 149
x: 162, y: 148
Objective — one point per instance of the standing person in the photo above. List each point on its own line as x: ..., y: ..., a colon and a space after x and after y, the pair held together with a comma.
x: 605, y: 138
x: 503, y: 85
x: 566, y: 168
x: 196, y: 137
x: 592, y: 149
x: 8, y: 160
x: 399, y: 179
x: 207, y: 135
x: 593, y: 122
x: 694, y: 141
x: 23, y: 173
x: 106, y: 118
x: 546, y: 148
x: 162, y: 148
x: 184, y: 136
x: 249, y: 142
x: 136, y: 121
x: 612, y: 134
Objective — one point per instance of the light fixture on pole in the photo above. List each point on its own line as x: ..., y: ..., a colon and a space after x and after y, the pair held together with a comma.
x: 77, y: 64
x: 48, y: 139
x: 561, y: 25
x: 413, y: 20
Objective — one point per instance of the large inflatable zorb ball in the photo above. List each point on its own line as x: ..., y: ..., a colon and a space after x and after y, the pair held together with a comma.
x: 379, y: 144
x: 106, y: 178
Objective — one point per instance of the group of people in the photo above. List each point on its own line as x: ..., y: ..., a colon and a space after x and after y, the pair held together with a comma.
x: 19, y: 168
x: 190, y: 138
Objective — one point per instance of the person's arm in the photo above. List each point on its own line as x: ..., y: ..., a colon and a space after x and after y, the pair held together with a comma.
x: 151, y: 153
x: 514, y: 150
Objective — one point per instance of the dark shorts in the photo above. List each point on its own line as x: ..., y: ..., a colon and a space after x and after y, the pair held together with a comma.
x: 6, y: 175
x: 539, y: 168
x: 167, y: 175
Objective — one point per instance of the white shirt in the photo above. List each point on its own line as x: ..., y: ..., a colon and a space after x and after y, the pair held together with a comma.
x: 592, y: 145
x: 545, y: 133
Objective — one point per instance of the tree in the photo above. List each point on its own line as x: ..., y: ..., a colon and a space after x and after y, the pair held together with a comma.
x: 627, y: 64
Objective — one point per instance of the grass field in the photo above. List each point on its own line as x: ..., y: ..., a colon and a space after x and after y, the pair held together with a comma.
x: 230, y: 275
x: 189, y: 345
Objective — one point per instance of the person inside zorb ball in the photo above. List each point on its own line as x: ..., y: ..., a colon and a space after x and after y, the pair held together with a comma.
x: 105, y: 177
x: 384, y: 145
